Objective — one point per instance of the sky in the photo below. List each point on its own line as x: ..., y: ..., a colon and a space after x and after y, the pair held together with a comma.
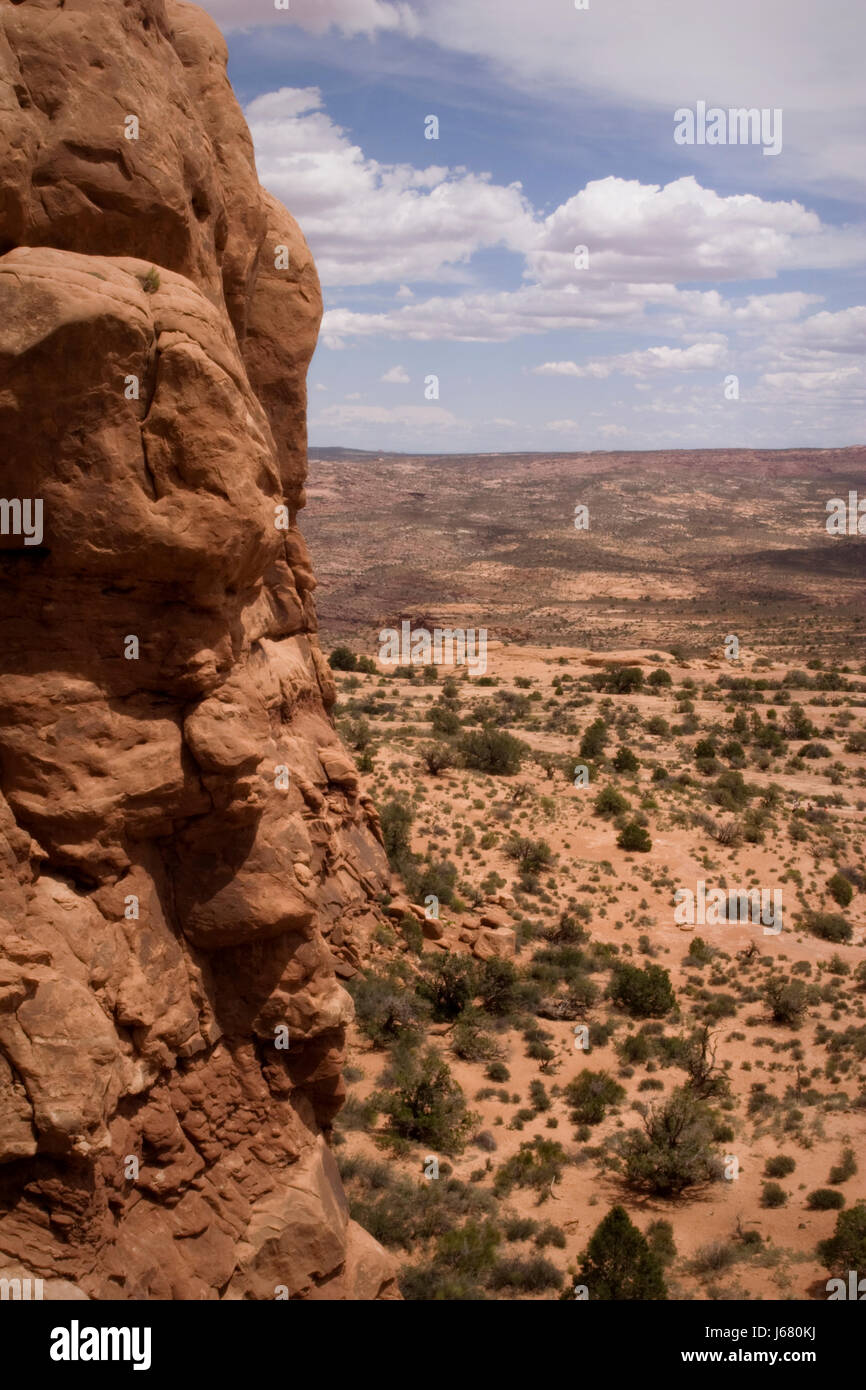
x: 568, y: 264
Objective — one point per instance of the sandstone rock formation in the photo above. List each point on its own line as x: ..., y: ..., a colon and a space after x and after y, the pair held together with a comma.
x: 187, y: 865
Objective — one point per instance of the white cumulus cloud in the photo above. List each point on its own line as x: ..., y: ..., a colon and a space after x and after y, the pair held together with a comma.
x: 643, y: 362
x: 372, y: 223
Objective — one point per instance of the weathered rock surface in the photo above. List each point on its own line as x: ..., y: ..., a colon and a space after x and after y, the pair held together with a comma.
x: 186, y: 860
x: 494, y: 941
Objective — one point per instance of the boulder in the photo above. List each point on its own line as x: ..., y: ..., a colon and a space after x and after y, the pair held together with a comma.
x: 495, y: 917
x: 494, y: 941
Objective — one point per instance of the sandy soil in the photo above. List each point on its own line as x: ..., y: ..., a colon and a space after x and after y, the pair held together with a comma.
x: 630, y: 895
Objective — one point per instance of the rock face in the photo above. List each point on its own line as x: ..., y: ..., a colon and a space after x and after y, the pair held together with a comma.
x: 186, y: 861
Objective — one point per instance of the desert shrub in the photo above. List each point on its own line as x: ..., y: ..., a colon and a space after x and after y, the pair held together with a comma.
x: 342, y: 659
x: 531, y: 856
x: 412, y: 933
x: 472, y: 1042
x: 529, y: 1274
x: 846, y: 1248
x: 538, y: 1096
x: 581, y: 995
x: 699, y: 952
x: 498, y: 987
x: 730, y: 791
x: 423, y: 1102
x: 840, y: 889
x: 396, y: 819
x: 590, y: 1094
x: 436, y: 876
x: 548, y: 1234
x: 620, y: 680
x: 846, y: 1167
x: 733, y: 752
x: 437, y: 757
x: 727, y: 833
x: 713, y: 1258
x: 540, y: 1052
x: 538, y: 1164
x: 461, y: 1267
x: 150, y: 282
x: 713, y: 1006
x: 829, y: 926
x: 593, y: 741
x: 609, y: 803
x: 837, y: 966
x: 470, y: 1249
x: 645, y: 993
x: 780, y: 1166
x: 550, y: 764
x: 761, y: 1101
x: 750, y: 1238
x: 552, y: 964
x: 356, y: 733
x: 660, y: 1238
x: 399, y: 1211
x: 673, y: 1150
x: 698, y: 1057
x: 658, y: 727
x: 497, y: 1071
x: 434, y: 1283
x: 815, y: 750
x: 385, y: 1006
x: 658, y: 678
x: 787, y: 999
x: 772, y: 1195
x: 618, y: 1263
x: 492, y: 750
x: 634, y: 837
x: 567, y: 930
x: 625, y: 761
x: 752, y: 827
x: 449, y: 984
x: 825, y: 1199
x: 519, y: 1227
x: 635, y: 1047
x: 445, y: 720
x: 798, y: 725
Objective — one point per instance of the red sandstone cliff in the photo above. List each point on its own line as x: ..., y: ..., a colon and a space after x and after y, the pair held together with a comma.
x: 186, y: 863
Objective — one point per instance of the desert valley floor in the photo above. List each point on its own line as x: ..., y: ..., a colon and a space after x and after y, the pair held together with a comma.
x: 556, y: 914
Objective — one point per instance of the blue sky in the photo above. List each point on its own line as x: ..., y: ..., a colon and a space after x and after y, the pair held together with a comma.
x: 455, y: 256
